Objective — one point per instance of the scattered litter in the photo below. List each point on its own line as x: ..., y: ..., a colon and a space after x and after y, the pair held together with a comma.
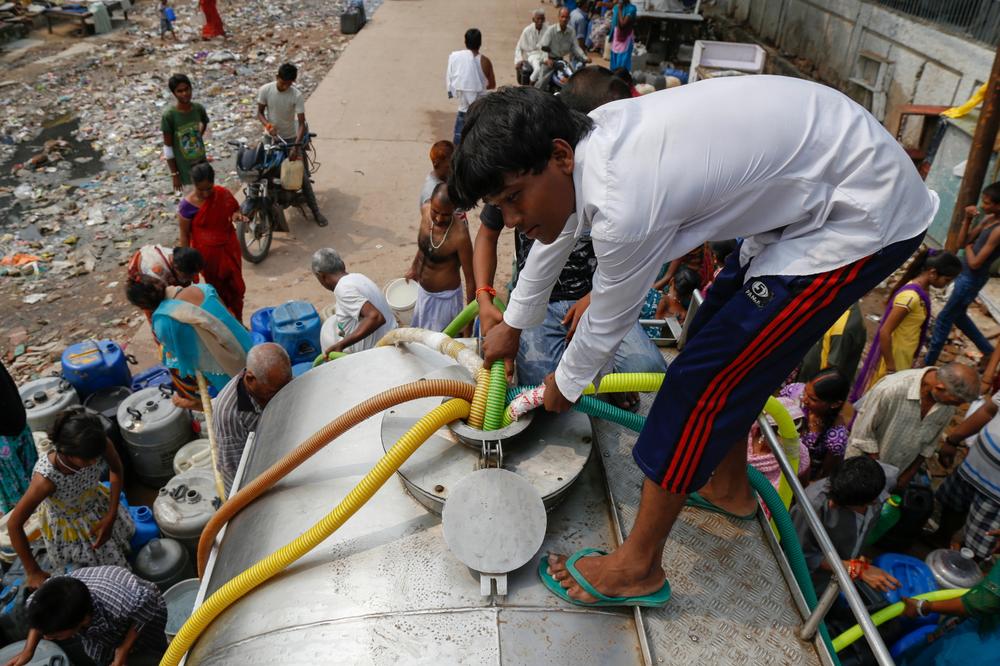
x: 31, y: 299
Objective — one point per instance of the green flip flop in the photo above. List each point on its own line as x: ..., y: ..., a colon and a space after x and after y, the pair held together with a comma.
x: 696, y: 500
x: 657, y: 599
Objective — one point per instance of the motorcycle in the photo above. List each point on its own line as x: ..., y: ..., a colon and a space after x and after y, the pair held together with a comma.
x: 562, y: 70
x: 265, y: 200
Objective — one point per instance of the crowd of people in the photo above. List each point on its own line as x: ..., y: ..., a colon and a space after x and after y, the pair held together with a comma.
x: 595, y: 245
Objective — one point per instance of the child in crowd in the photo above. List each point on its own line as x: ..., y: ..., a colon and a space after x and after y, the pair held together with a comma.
x: 848, y: 505
x: 822, y: 431
x: 903, y: 328
x: 444, y: 253
x: 82, y: 523
x: 677, y: 297
x: 118, y: 617
x: 167, y: 18
x: 982, y: 249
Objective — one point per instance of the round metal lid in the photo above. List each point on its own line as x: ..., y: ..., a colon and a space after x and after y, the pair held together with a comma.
x: 494, y: 521
x: 148, y: 408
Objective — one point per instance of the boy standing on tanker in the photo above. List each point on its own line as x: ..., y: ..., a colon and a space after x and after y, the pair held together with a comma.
x: 826, y: 201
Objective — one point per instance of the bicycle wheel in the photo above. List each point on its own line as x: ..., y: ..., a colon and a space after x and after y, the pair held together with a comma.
x: 255, y: 234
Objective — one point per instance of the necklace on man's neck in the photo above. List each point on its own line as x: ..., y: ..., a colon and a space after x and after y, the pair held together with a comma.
x: 443, y: 238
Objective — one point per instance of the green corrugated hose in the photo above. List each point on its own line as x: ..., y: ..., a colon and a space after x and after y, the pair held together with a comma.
x: 466, y: 316
x: 496, y: 399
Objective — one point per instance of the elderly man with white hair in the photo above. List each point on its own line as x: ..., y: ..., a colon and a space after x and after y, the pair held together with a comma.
x: 362, y: 312
x: 528, y: 54
x: 238, y: 406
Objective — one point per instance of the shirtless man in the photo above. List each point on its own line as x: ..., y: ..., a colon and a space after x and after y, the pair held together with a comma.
x: 443, y: 246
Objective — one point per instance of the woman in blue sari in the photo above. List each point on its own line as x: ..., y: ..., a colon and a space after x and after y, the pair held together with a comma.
x: 623, y: 35
x: 195, y: 330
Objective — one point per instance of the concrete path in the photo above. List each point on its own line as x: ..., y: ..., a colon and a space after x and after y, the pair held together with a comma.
x: 376, y: 114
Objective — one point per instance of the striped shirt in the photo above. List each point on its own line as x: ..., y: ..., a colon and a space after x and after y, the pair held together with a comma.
x: 236, y: 414
x: 981, y: 467
x: 121, y: 600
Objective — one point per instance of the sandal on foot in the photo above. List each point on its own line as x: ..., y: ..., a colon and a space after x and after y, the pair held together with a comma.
x: 656, y: 599
x: 697, y: 501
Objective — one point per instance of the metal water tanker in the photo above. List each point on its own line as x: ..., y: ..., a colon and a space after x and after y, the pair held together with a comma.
x: 46, y: 654
x: 164, y: 562
x: 185, y: 505
x: 44, y: 398
x: 153, y: 428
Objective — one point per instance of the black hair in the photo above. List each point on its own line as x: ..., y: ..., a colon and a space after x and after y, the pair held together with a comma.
x: 591, y: 87
x: 176, y: 80
x: 473, y: 39
x: 438, y: 189
x: 288, y: 72
x: 509, y: 132
x: 79, y: 432
x: 623, y: 74
x: 61, y: 603
x: 188, y: 260
x: 686, y: 280
x: 722, y: 249
x: 858, y: 481
x: 993, y: 192
x: 942, y: 261
x: 830, y: 385
x: 145, y: 292
x: 201, y: 172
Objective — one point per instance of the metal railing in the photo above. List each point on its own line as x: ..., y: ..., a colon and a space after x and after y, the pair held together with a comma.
x: 841, y: 581
x: 978, y: 19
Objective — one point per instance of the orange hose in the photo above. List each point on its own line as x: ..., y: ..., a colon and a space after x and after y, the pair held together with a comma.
x: 425, y: 388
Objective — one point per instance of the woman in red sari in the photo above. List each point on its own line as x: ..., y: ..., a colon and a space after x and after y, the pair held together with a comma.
x: 213, y: 22
x: 206, y: 217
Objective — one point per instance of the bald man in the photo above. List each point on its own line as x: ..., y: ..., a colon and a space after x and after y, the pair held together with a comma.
x: 238, y: 406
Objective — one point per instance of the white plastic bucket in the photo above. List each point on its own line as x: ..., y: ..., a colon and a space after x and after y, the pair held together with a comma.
x: 402, y: 296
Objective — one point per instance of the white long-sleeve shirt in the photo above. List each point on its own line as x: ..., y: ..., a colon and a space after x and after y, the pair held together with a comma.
x: 529, y: 44
x: 803, y: 174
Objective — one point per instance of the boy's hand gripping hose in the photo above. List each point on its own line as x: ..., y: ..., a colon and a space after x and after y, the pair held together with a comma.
x: 280, y: 559
x: 374, y: 405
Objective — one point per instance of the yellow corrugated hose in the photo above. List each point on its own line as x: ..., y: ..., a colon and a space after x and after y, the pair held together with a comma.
x: 623, y: 382
x: 280, y: 559
x: 478, y: 410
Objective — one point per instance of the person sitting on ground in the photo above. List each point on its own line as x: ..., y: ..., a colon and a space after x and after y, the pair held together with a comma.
x: 469, y: 76
x: 444, y: 254
x: 528, y: 54
x: 206, y: 215
x: 83, y: 522
x: 982, y: 249
x: 441, y: 153
x: 542, y: 346
x: 238, y: 406
x: 558, y: 43
x: 971, y: 493
x: 184, y: 126
x: 281, y: 109
x: 196, y: 333
x: 902, y: 417
x: 840, y: 347
x: 903, y: 329
x: 975, y: 641
x: 822, y: 431
x: 675, y: 159
x: 848, y: 505
x: 363, y: 314
x: 118, y: 617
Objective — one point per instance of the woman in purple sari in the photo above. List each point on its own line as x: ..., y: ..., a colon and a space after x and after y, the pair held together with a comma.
x: 903, y: 328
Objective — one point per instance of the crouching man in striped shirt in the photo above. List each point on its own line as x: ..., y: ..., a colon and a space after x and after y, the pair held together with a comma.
x: 825, y: 200
x: 113, y: 612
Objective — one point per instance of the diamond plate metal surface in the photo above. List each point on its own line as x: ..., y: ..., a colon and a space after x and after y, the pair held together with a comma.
x: 730, y: 604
